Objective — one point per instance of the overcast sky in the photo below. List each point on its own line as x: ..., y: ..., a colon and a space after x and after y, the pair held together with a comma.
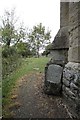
x: 32, y: 12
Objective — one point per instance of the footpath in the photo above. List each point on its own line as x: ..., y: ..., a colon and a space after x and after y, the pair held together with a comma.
x: 30, y: 101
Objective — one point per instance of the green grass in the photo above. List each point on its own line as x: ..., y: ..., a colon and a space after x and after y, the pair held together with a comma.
x: 28, y: 65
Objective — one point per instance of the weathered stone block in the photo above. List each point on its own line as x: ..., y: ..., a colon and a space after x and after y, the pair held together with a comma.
x: 64, y: 14
x: 72, y: 106
x: 69, y: 92
x: 74, y: 54
x: 53, y: 79
x: 72, y: 73
x: 59, y: 55
x: 74, y: 89
x: 66, y: 82
x: 74, y: 37
x: 57, y: 62
x: 54, y: 73
x: 68, y: 74
x: 73, y: 86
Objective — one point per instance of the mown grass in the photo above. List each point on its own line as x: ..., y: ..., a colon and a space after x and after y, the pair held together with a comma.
x: 28, y: 65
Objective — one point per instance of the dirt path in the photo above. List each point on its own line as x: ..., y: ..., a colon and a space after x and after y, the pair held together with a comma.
x: 31, y: 102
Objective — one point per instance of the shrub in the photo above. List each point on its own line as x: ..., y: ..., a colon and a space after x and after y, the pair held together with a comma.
x: 7, y: 52
x: 10, y: 60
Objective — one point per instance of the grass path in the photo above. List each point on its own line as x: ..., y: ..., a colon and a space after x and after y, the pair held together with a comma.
x: 28, y: 65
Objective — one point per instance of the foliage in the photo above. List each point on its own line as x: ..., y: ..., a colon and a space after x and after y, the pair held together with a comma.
x: 38, y: 38
x: 7, y: 52
x: 8, y: 28
x: 10, y: 60
x: 20, y: 34
x: 23, y: 49
x: 33, y: 52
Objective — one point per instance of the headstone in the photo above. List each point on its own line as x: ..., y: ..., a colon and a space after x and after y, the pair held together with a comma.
x: 53, y: 79
x: 54, y: 73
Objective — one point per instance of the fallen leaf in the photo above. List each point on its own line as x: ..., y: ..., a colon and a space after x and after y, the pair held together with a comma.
x: 14, y: 97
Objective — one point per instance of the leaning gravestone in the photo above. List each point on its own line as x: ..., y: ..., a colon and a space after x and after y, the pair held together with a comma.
x: 53, y: 79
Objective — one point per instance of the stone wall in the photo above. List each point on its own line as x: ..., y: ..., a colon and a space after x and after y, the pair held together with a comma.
x: 64, y: 14
x: 62, y: 73
x: 71, y: 72
x: 71, y: 87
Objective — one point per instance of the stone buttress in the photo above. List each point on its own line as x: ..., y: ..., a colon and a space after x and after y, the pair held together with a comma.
x: 59, y: 55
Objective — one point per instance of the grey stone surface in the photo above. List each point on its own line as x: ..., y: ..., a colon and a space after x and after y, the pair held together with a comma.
x: 53, y: 79
x: 59, y: 55
x: 71, y: 105
x: 66, y: 82
x: 54, y: 73
x: 74, y: 32
x: 71, y: 71
x: 68, y: 75
x: 52, y: 88
x: 74, y: 54
x: 73, y: 86
x: 66, y: 49
x: 64, y: 14
x: 69, y: 92
x: 61, y: 40
x: 72, y: 74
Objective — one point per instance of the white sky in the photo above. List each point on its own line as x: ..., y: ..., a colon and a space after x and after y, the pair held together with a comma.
x: 33, y: 12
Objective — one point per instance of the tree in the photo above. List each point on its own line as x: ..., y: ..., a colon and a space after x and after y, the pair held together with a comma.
x: 8, y: 28
x: 23, y: 49
x: 38, y: 38
x: 33, y: 52
x: 20, y: 34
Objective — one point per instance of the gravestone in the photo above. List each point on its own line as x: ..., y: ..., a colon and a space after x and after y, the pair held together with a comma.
x: 53, y: 79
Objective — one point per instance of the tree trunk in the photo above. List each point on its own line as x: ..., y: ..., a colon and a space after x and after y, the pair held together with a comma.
x: 38, y: 55
x: 38, y: 52
x: 8, y: 42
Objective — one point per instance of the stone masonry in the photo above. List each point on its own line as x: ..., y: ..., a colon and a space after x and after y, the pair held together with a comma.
x: 71, y: 72
x: 59, y: 56
x: 62, y: 72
